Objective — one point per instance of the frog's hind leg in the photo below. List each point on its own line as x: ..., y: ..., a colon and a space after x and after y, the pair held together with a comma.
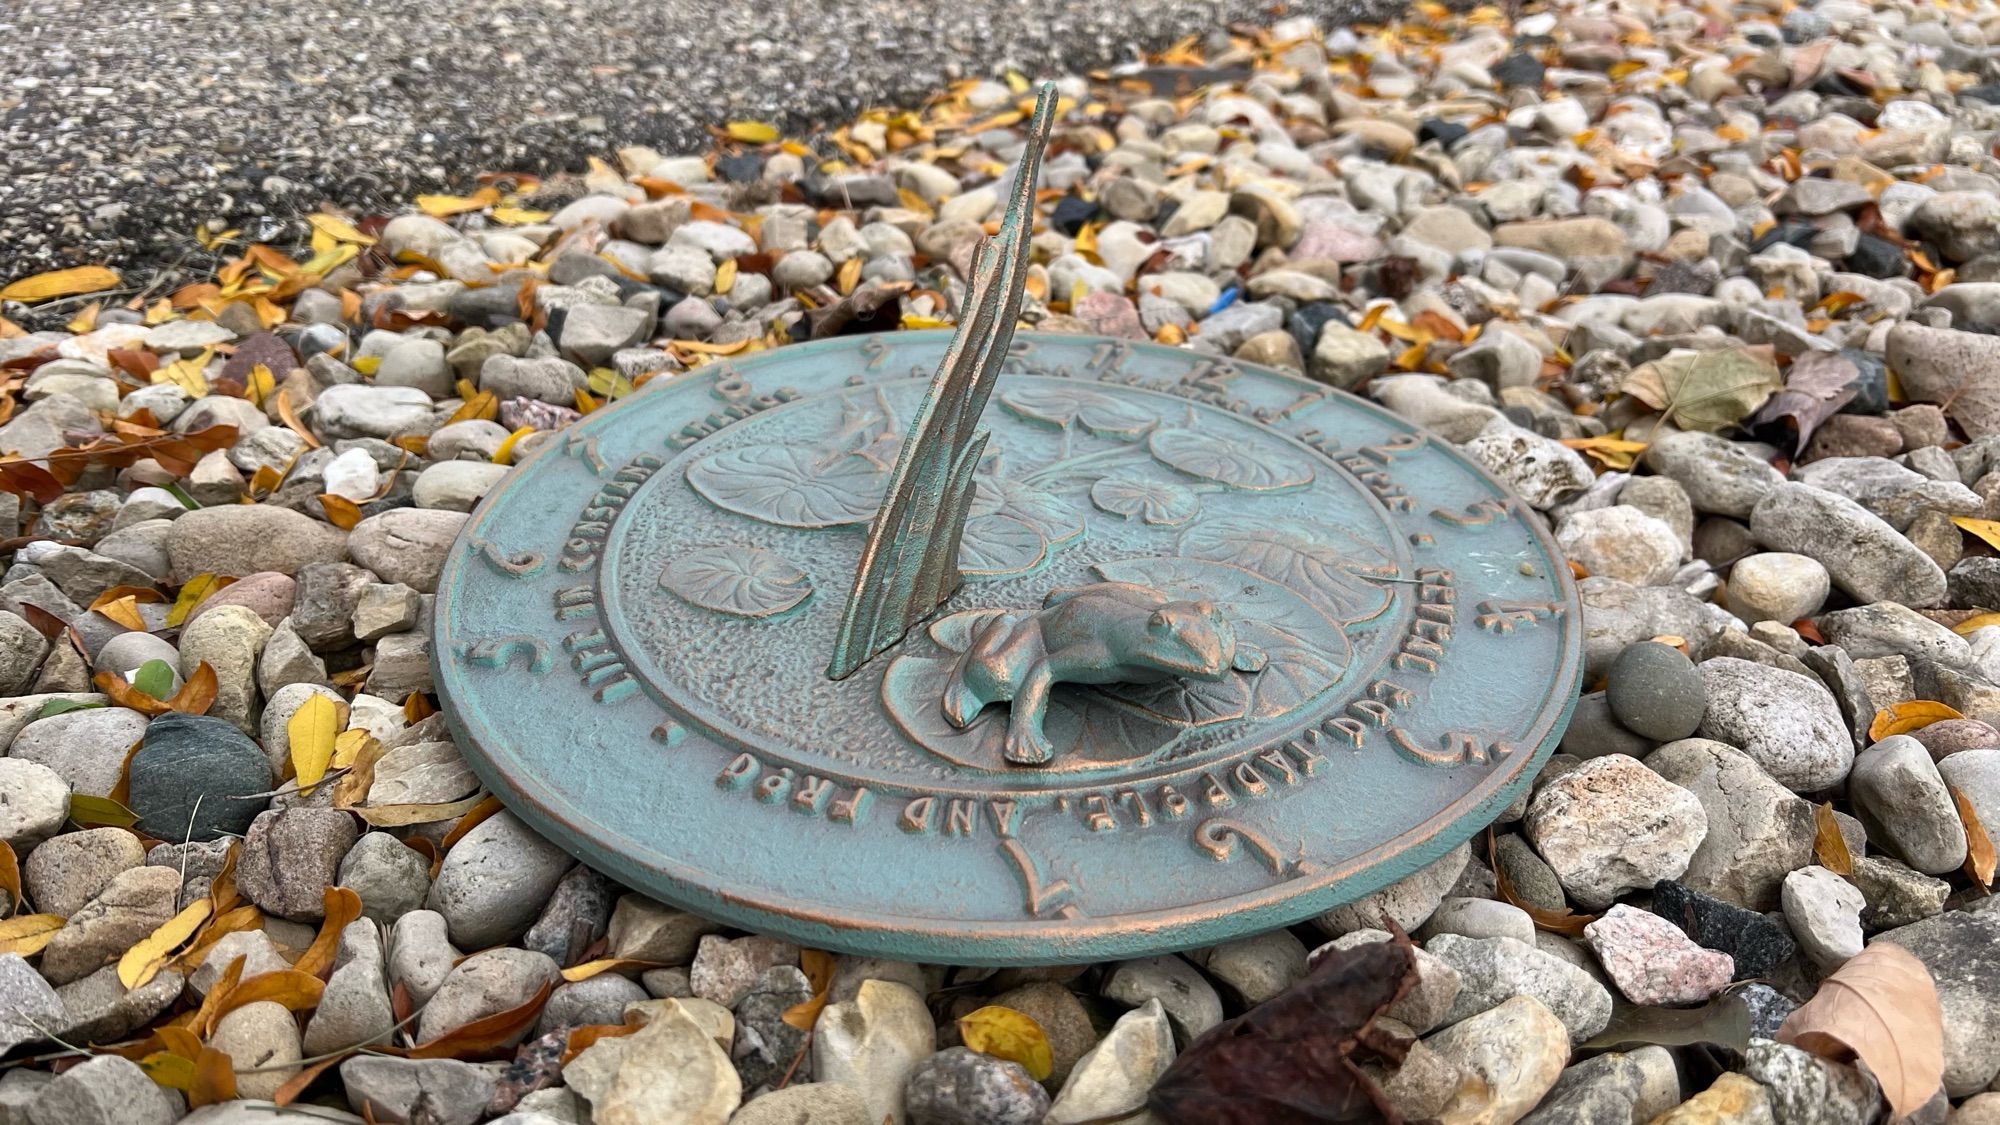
x: 1027, y: 743
x: 976, y: 679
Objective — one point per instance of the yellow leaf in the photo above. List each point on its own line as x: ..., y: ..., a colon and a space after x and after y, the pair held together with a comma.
x: 848, y: 277
x: 911, y: 320
x: 312, y: 729
x: 187, y: 374
x: 1988, y: 530
x: 27, y: 934
x: 339, y: 229
x: 144, y: 961
x: 609, y: 384
x: 60, y: 283
x: 518, y: 216
x: 1086, y: 244
x: 818, y: 967
x: 168, y: 1070
x: 585, y: 403
x: 445, y: 206
x: 347, y: 747
x: 1611, y: 452
x: 752, y: 132
x: 86, y: 320
x: 1976, y: 622
x: 193, y: 593
x: 92, y: 811
x: 259, y: 385
x: 367, y: 364
x: 725, y: 276
x: 505, y: 454
x: 1915, y: 714
x: 606, y: 965
x: 125, y: 611
x: 1007, y: 1034
x: 159, y: 312
x: 330, y: 259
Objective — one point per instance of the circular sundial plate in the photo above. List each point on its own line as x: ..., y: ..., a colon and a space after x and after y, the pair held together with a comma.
x: 633, y: 633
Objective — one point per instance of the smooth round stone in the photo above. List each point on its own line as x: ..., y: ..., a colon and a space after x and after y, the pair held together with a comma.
x: 86, y: 747
x: 1594, y: 731
x: 1655, y: 691
x: 127, y: 651
x: 1776, y: 586
x: 1954, y: 735
x: 268, y: 594
x: 34, y: 801
x: 190, y: 778
x: 962, y: 1087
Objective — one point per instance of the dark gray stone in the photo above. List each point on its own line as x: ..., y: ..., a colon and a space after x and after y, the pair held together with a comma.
x: 1655, y: 691
x: 189, y: 775
x: 1597, y: 1091
x: 1594, y: 731
x: 1756, y: 942
x: 1768, y: 1008
x: 1975, y: 583
x: 766, y: 1045
x: 577, y: 914
x: 1962, y: 952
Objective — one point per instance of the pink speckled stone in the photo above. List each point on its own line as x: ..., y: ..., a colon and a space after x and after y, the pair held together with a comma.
x: 1652, y: 961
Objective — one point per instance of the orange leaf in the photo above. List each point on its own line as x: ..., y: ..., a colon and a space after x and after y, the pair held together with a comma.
x: 607, y: 965
x: 340, y: 511
x: 470, y: 821
x: 818, y: 967
x: 124, y: 611
x: 125, y: 695
x: 214, y: 1079
x: 1564, y: 921
x: 60, y: 283
x: 1902, y: 718
x: 1979, y: 858
x: 297, y: 991
x: 290, y: 418
x: 197, y: 695
x: 342, y: 906
x: 1829, y: 846
x: 581, y: 1038
x: 485, y: 1036
x: 203, y: 1019
x: 297, y: 1083
x: 10, y: 874
x: 1883, y: 1007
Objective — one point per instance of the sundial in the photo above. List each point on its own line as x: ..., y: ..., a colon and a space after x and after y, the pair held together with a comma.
x: 994, y: 647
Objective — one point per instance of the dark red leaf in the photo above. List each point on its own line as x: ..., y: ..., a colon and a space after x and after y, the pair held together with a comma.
x: 1294, y: 1059
x: 1816, y: 387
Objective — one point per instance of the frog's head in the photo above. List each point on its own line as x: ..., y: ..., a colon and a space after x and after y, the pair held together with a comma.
x: 1191, y: 639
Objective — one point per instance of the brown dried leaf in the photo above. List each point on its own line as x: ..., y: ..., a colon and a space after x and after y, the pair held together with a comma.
x: 1816, y: 387
x: 470, y: 821
x: 290, y: 418
x: 1913, y: 714
x: 818, y: 966
x: 401, y: 816
x: 60, y: 283
x: 1829, y: 846
x: 297, y: 991
x: 342, y: 906
x: 484, y: 1037
x: 1564, y: 921
x: 197, y: 695
x: 1707, y: 390
x: 340, y: 511
x: 581, y: 1038
x: 297, y: 1083
x: 214, y: 1079
x: 10, y: 876
x: 1979, y: 858
x: 1882, y: 1007
x: 1292, y: 1058
x: 145, y: 959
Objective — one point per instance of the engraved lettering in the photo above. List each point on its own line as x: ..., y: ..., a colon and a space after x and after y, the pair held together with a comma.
x: 1172, y: 803
x: 851, y: 808
x: 917, y: 815
x: 499, y: 651
x: 1252, y: 782
x: 526, y: 564
x: 1097, y: 814
x: 1059, y: 896
x: 1501, y: 615
x: 1006, y: 814
x: 775, y: 786
x: 961, y: 817
x: 812, y: 795
x: 1137, y: 803
x: 1475, y: 515
x: 737, y: 773
x: 1213, y: 792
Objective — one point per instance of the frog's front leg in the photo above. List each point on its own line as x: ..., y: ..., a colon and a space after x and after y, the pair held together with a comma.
x: 1027, y: 743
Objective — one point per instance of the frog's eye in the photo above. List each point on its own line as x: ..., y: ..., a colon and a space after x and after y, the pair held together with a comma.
x: 1159, y: 622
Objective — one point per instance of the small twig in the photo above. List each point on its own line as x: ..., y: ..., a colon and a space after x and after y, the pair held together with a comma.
x: 292, y: 786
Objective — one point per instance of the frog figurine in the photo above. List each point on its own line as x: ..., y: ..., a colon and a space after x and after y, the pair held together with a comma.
x: 1103, y: 633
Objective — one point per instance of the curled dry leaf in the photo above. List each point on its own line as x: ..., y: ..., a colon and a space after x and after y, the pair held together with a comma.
x: 1829, y: 846
x: 340, y: 511
x: 10, y: 876
x: 1975, y: 623
x: 1882, y: 1007
x: 608, y: 965
x: 28, y: 933
x: 1902, y: 718
x: 1979, y: 857
x: 1007, y: 1034
x: 1295, y: 1057
x: 197, y: 695
x: 145, y: 959
x: 471, y: 820
x: 297, y: 991
x: 1707, y: 390
x: 581, y: 1038
x: 818, y: 968
x: 342, y: 906
x: 399, y: 816
x: 1564, y: 921
x: 1723, y: 1021
x: 214, y: 1079
x: 194, y: 591
x: 485, y: 1037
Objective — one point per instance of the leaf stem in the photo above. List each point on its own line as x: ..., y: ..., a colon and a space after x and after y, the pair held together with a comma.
x: 1082, y: 461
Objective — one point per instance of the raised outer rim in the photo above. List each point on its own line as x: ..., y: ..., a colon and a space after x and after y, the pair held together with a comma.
x: 1042, y: 942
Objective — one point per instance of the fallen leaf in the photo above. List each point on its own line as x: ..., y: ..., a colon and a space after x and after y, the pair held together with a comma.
x: 60, y: 283
x: 1975, y: 623
x: 607, y: 965
x: 1293, y: 1058
x: 341, y: 907
x: 818, y: 967
x: 197, y: 695
x: 297, y: 1083
x: 155, y: 678
x: 486, y: 1036
x: 27, y: 934
x: 1007, y: 1034
x: 1829, y: 846
x: 339, y: 229
x: 445, y: 206
x: 472, y: 819
x: 1564, y: 921
x: 190, y: 375
x: 1987, y: 530
x: 401, y: 816
x: 1723, y: 1021
x: 10, y: 876
x: 340, y: 511
x: 100, y: 812
x: 214, y: 1079
x: 290, y: 418
x: 233, y: 922
x: 1611, y: 452
x: 169, y: 1071
x: 1979, y: 857
x: 581, y: 1039
x: 505, y: 454
x: 150, y: 954
x: 1707, y: 390
x: 1902, y: 718
x: 1816, y: 386
x: 517, y: 216
x: 203, y: 1020
x: 312, y: 730
x: 194, y: 591
x: 1882, y: 1007
x: 297, y: 991
x: 25, y: 478
x: 752, y: 132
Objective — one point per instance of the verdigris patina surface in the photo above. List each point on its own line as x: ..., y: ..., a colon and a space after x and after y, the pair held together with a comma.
x: 1160, y: 650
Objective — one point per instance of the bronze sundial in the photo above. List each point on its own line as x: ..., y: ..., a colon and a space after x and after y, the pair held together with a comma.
x: 1153, y: 650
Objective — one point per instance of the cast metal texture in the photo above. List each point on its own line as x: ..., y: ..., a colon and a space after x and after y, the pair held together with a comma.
x: 633, y: 634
